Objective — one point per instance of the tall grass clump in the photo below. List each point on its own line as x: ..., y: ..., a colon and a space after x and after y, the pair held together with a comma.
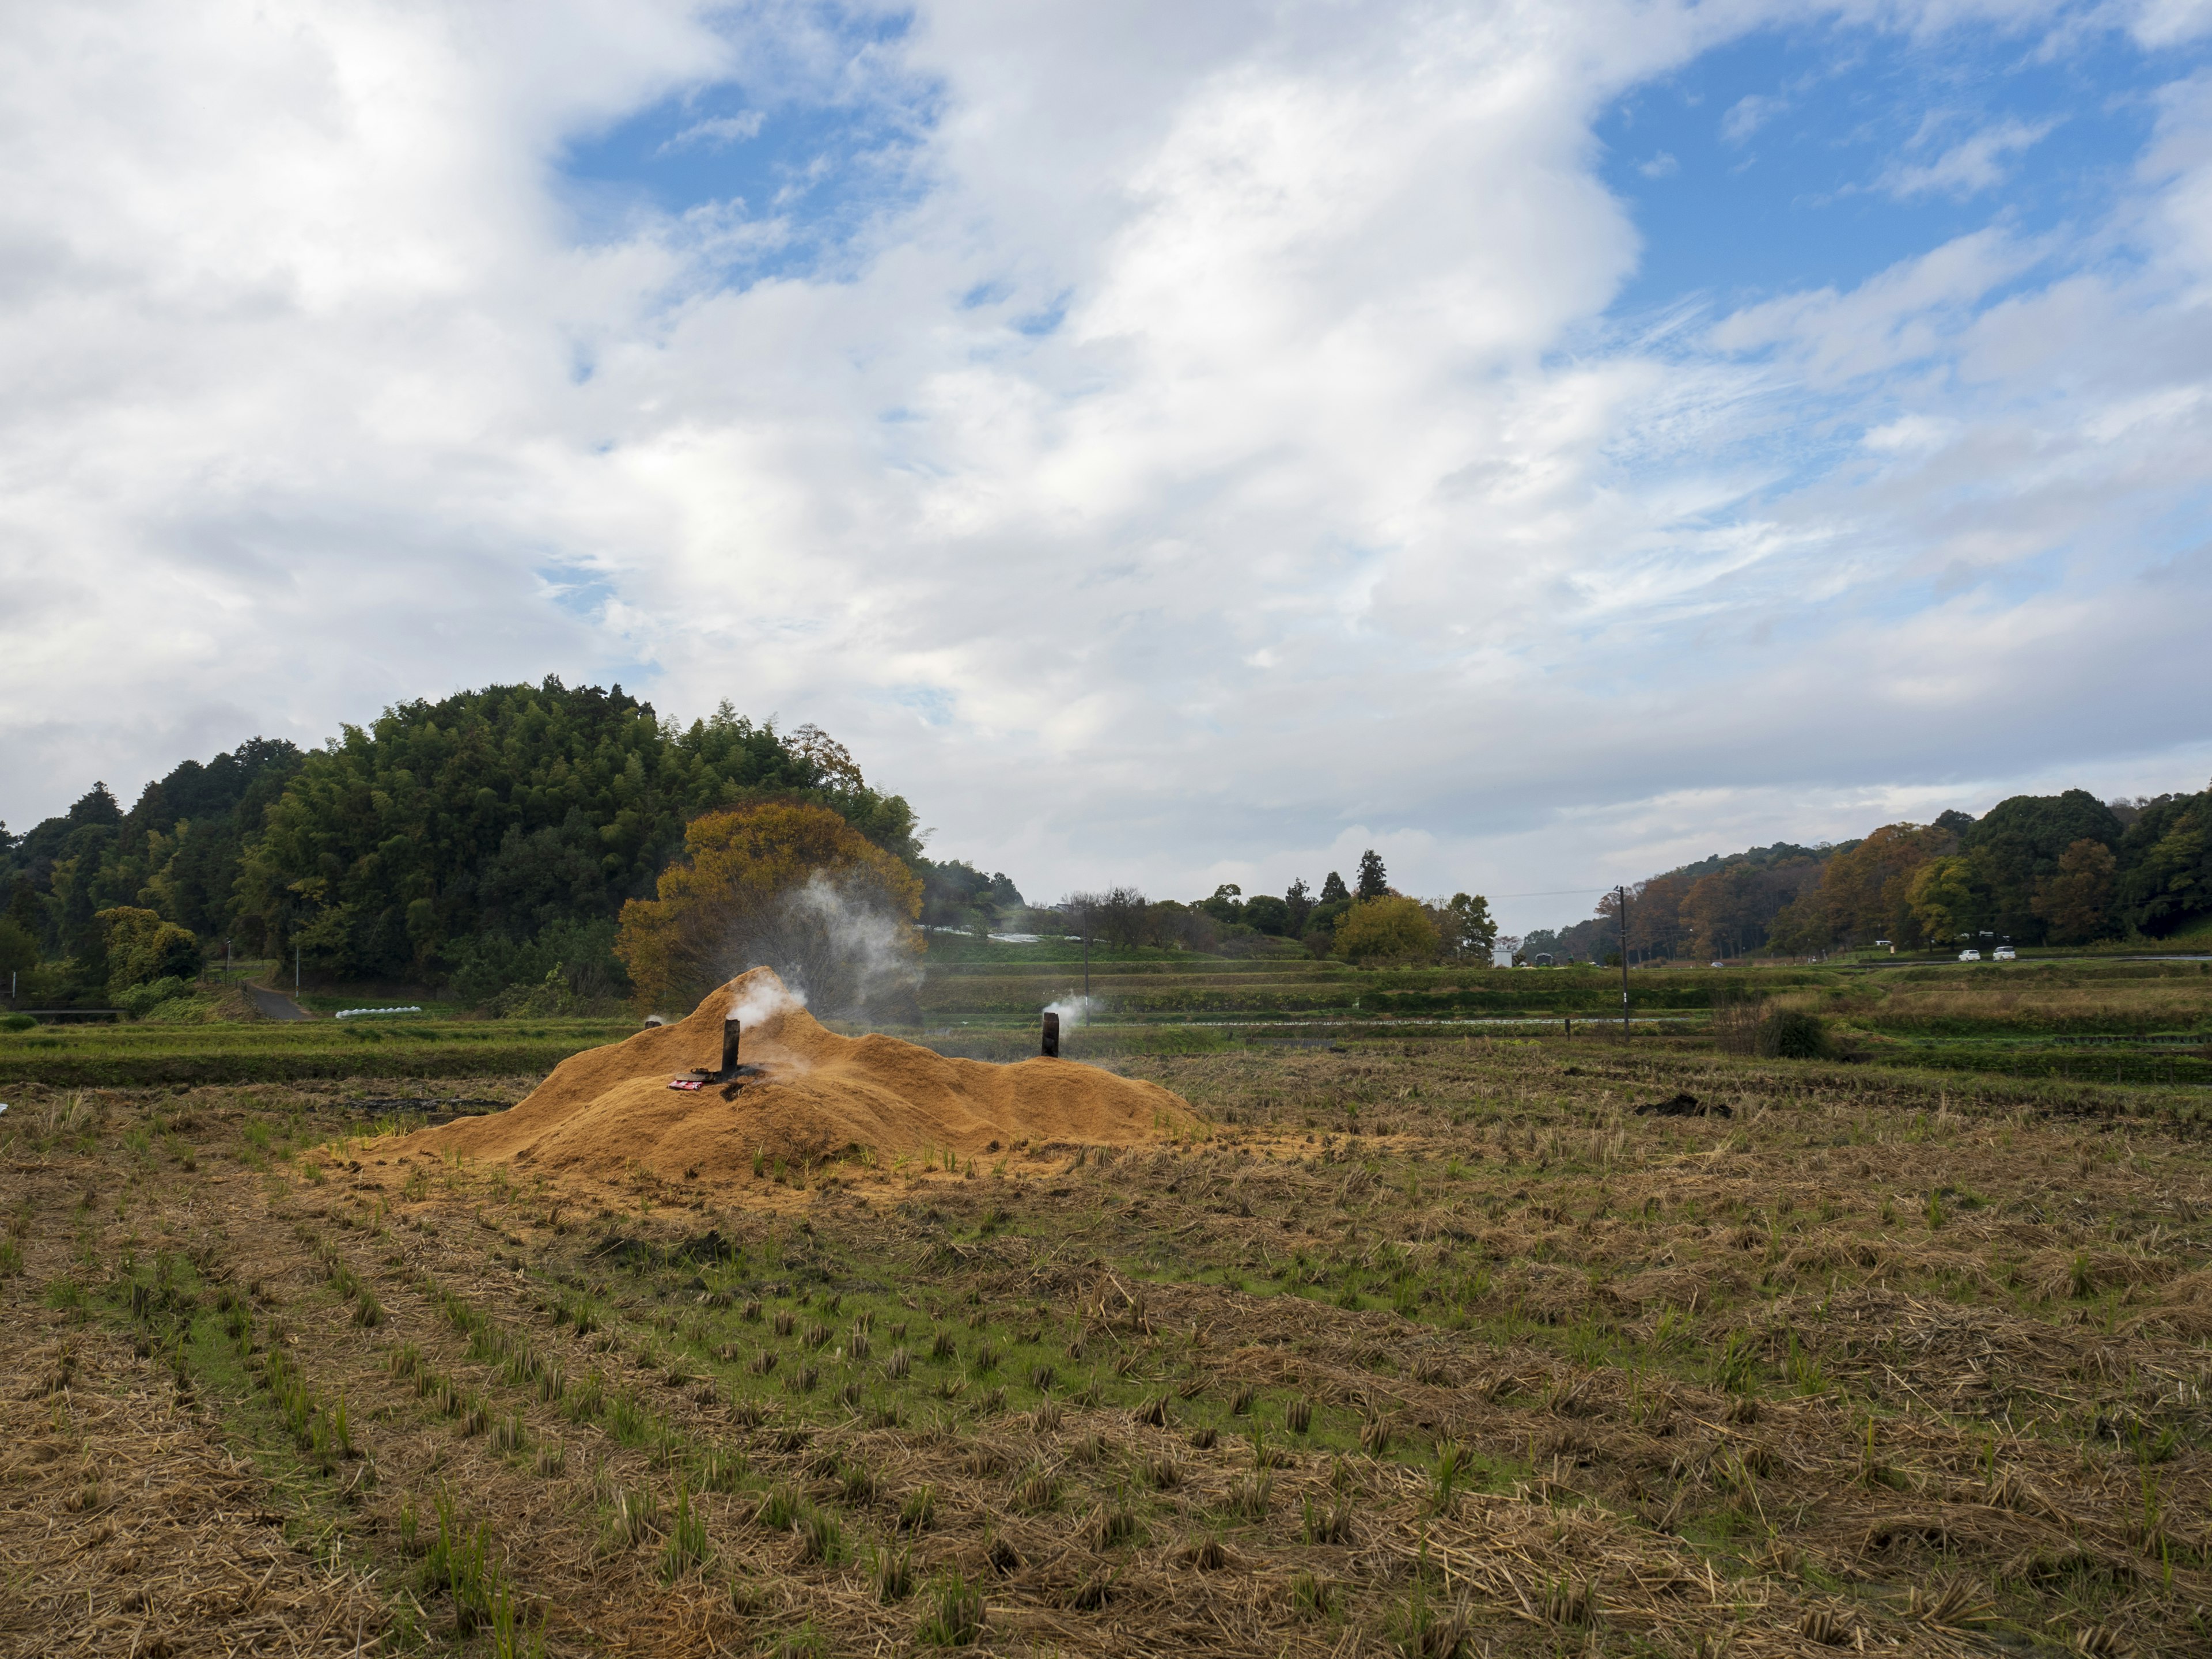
x: 955, y: 1615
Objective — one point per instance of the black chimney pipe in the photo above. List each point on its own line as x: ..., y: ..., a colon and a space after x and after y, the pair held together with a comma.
x: 1052, y: 1037
x: 729, y: 1052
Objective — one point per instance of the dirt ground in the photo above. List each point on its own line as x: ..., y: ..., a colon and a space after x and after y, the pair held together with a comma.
x: 1428, y: 1352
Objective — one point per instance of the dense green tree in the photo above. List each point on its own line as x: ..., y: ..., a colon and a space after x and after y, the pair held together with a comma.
x: 2076, y: 903
x: 19, y: 949
x: 1298, y: 902
x: 2015, y: 847
x: 508, y: 809
x: 1333, y: 890
x: 1543, y: 942
x: 1227, y: 904
x: 1266, y: 914
x: 176, y: 853
x: 1320, y: 934
x: 955, y: 894
x: 1950, y: 904
x: 2164, y: 879
x: 1374, y: 880
x: 1466, y: 930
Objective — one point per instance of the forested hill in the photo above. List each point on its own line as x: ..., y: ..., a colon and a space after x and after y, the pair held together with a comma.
x: 2066, y: 869
x: 486, y: 839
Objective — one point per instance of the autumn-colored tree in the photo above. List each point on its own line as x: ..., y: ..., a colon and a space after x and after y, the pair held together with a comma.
x: 1654, y: 917
x: 2077, y: 902
x: 785, y: 886
x: 1730, y: 910
x: 1865, y: 891
x: 1386, y: 931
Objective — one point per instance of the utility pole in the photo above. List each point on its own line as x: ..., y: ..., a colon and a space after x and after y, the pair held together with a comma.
x: 1622, y: 893
x: 1086, y: 964
x: 295, y: 972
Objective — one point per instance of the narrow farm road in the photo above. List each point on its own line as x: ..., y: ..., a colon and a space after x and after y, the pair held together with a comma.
x: 275, y: 1004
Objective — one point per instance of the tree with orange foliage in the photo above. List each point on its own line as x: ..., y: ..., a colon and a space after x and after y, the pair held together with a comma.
x: 783, y: 885
x: 1865, y: 891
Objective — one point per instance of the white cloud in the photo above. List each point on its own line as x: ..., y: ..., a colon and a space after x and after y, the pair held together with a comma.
x: 2170, y: 23
x: 1330, y: 512
x: 717, y: 133
x: 1748, y: 114
x: 1976, y: 163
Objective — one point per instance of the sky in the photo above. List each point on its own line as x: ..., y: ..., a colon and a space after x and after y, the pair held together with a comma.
x: 1170, y: 444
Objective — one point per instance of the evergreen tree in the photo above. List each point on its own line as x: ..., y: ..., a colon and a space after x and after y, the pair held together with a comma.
x: 1333, y: 892
x: 489, y: 838
x: 398, y: 849
x: 1374, y: 880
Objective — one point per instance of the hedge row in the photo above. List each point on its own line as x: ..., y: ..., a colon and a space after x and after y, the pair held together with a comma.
x: 2132, y: 1065
x: 84, y: 1069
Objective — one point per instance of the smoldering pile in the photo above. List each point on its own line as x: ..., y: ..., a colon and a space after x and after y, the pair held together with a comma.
x: 800, y: 1093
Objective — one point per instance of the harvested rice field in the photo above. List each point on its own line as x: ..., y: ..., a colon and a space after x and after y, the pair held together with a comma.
x: 1421, y: 1350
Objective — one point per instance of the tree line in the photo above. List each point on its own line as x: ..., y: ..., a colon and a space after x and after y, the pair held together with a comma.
x: 486, y: 842
x: 2034, y: 870
x: 1369, y: 923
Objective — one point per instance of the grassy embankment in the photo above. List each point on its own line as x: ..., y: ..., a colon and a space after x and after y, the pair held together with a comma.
x: 1434, y: 1350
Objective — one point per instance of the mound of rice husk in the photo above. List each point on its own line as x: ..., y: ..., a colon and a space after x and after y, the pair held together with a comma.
x: 602, y: 1112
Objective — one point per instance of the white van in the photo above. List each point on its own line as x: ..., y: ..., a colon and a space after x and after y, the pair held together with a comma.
x: 1970, y: 955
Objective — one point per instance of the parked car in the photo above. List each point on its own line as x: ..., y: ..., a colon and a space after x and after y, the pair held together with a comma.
x: 2005, y: 953
x: 1970, y: 955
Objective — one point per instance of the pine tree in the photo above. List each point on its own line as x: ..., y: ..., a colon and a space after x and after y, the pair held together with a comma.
x: 1374, y: 880
x: 1333, y: 892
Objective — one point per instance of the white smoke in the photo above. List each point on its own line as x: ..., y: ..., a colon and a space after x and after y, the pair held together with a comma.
x: 761, y: 1002
x: 1075, y: 1011
x: 840, y: 947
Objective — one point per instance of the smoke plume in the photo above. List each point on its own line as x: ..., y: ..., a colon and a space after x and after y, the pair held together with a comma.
x: 840, y: 944
x: 1075, y: 1011
x: 762, y: 1002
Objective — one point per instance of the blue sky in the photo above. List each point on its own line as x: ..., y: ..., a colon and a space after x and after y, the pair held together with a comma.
x: 1170, y: 444
x: 1800, y: 155
x: 817, y: 138
x: 1811, y: 156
